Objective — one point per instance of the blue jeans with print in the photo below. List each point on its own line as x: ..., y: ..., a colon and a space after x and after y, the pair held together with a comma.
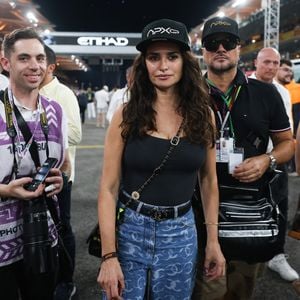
x: 167, y: 248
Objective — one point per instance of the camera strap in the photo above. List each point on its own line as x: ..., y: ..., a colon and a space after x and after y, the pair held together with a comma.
x: 25, y: 130
x: 10, y: 128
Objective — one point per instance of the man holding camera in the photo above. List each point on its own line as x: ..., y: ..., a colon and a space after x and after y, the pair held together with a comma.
x: 32, y: 129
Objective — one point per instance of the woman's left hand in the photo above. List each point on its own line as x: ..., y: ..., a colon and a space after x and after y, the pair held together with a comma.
x: 214, y: 264
x: 54, y: 182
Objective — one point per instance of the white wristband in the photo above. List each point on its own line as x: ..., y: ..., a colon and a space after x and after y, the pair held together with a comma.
x: 50, y: 188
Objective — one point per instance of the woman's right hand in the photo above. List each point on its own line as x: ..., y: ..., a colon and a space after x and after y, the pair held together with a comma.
x: 111, y: 278
x: 214, y: 264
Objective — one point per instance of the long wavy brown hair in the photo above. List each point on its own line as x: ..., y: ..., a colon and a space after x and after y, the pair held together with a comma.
x: 193, y: 103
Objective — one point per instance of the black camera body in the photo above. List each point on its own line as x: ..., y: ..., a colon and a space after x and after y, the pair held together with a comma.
x: 39, y: 256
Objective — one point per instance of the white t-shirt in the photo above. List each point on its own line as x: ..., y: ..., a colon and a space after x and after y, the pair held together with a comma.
x: 3, y: 82
x: 102, y: 99
x: 119, y: 97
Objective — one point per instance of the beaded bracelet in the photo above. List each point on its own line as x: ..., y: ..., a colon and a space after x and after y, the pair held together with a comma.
x: 211, y: 223
x: 108, y: 256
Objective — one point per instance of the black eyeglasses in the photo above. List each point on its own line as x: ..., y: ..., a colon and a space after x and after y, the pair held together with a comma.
x: 213, y: 45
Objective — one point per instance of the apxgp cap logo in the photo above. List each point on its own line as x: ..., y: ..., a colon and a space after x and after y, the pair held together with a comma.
x: 161, y: 30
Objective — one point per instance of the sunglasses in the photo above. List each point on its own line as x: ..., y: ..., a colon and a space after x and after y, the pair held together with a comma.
x: 212, y: 45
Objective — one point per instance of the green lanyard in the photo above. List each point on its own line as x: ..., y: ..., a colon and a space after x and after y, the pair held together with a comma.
x: 229, y: 98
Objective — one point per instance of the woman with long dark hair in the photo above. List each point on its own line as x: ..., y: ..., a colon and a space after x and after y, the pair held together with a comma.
x: 156, y: 146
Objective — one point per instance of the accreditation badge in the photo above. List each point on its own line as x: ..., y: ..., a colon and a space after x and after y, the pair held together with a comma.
x: 235, y: 158
x: 224, y: 146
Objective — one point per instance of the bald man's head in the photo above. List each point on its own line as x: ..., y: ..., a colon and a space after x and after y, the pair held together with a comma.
x: 267, y: 63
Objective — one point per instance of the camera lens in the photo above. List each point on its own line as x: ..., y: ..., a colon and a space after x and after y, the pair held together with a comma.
x: 39, y: 257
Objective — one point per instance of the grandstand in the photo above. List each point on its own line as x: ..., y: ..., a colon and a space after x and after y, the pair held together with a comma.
x: 250, y: 16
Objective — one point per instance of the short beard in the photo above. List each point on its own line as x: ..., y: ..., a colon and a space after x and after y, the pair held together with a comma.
x: 285, y: 81
x: 222, y: 69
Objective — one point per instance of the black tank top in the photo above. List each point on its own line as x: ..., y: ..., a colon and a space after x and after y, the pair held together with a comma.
x: 175, y: 184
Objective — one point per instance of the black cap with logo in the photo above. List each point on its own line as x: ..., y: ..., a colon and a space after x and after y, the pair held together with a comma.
x: 164, y: 30
x: 220, y: 25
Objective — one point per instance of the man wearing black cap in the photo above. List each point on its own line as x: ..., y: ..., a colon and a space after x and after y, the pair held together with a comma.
x: 247, y: 113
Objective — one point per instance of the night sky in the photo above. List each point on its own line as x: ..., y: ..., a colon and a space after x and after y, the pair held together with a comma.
x: 119, y: 16
x: 123, y: 15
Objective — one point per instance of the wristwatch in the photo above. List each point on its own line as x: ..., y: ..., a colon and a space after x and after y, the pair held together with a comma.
x: 273, y: 162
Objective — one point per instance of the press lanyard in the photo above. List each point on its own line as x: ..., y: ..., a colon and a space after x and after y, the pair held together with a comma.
x: 223, y: 122
x: 15, y: 120
x: 228, y: 99
x: 22, y: 153
x: 230, y: 96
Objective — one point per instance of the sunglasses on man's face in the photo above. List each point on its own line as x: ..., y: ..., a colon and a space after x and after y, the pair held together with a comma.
x: 212, y: 45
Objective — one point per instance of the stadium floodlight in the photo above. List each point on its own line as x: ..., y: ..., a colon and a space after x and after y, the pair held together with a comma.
x: 238, y: 3
x: 31, y: 17
x: 12, y: 4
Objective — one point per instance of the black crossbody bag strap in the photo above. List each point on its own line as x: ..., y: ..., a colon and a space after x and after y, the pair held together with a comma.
x: 173, y: 143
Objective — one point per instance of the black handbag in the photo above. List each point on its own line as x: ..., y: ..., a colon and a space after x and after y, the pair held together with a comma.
x: 248, y: 224
x: 94, y: 242
x: 94, y: 238
x: 248, y: 230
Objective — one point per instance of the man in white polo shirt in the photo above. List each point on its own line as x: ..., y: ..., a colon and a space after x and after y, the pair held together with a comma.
x: 53, y: 89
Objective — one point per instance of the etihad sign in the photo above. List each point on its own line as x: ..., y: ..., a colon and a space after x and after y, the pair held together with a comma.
x: 102, y: 41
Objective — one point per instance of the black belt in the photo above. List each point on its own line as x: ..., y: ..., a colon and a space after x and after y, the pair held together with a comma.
x: 158, y: 213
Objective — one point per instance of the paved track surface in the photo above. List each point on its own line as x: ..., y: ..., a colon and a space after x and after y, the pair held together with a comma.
x: 84, y: 215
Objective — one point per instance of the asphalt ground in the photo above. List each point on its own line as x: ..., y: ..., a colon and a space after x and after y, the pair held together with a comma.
x: 84, y: 216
